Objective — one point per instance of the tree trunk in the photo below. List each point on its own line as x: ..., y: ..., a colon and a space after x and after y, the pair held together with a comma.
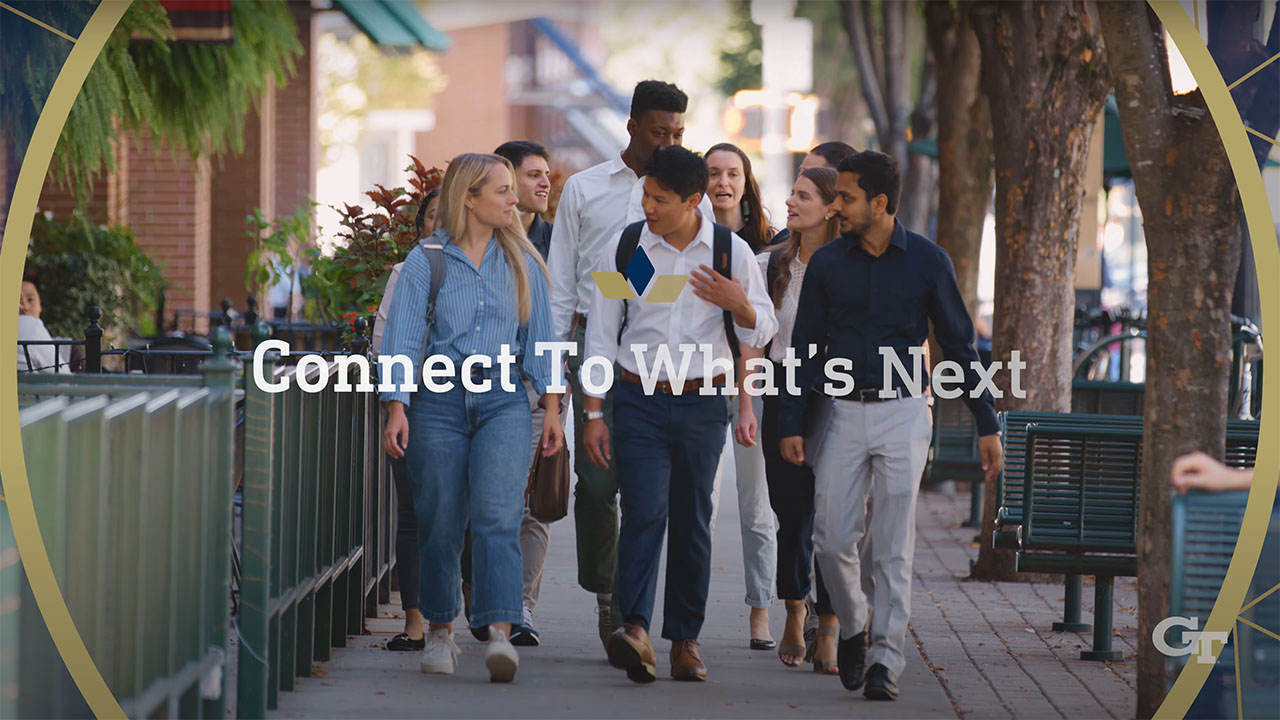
x: 1190, y: 208
x: 1044, y: 74
x: 897, y: 91
x: 964, y: 142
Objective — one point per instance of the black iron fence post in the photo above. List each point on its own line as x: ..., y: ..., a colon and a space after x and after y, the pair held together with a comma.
x: 93, y: 342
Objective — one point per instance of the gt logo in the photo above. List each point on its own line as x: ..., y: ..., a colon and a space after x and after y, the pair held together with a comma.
x: 1204, y: 641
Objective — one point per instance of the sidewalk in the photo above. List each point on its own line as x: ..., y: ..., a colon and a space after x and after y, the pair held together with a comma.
x: 991, y: 644
x: 988, y: 646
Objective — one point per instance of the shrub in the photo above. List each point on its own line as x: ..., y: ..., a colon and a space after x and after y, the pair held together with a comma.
x: 79, y: 265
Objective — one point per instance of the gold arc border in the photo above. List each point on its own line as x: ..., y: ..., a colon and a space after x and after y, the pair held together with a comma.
x: 26, y: 194
x: 1253, y: 195
x: 40, y: 152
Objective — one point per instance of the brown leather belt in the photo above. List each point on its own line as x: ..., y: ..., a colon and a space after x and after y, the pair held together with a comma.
x: 664, y: 386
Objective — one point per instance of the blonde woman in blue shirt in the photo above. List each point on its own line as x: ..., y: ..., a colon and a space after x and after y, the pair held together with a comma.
x: 468, y: 451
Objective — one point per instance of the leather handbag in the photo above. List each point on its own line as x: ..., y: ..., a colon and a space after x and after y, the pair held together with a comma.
x: 547, y: 492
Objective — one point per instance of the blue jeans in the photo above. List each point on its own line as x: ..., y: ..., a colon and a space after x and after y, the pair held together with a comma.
x: 468, y: 457
x: 666, y: 449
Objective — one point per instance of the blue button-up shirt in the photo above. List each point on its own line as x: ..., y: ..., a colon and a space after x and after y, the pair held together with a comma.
x: 853, y: 303
x: 475, y: 314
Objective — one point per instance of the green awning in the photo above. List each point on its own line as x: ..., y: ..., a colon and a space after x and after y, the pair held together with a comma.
x: 394, y: 23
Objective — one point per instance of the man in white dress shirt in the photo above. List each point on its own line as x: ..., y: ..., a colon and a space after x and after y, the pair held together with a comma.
x: 594, y: 206
x: 670, y: 430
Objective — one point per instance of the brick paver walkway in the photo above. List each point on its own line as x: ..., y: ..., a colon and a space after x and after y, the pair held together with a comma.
x: 985, y: 651
x: 991, y: 644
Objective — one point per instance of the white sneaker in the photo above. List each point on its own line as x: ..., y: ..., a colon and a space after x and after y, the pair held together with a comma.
x: 500, y: 657
x: 441, y: 655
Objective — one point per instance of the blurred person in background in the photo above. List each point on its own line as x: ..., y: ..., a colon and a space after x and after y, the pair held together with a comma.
x: 406, y: 521
x: 533, y: 187
x: 38, y: 357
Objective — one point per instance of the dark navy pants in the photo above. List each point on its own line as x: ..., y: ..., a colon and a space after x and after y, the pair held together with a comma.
x: 666, y: 449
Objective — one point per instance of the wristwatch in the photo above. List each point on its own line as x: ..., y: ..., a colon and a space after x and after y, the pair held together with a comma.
x: 593, y: 415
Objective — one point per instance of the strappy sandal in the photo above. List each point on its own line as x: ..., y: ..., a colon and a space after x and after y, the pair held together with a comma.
x: 823, y: 666
x: 786, y: 649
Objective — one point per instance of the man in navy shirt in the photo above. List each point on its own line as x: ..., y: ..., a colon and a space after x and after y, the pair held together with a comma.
x: 876, y: 286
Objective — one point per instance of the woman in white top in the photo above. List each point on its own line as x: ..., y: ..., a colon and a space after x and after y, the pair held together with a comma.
x: 42, y: 355
x: 811, y: 225
x: 735, y: 198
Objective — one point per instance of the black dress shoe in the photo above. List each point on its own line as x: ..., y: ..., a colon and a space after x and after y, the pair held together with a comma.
x: 881, y: 685
x: 851, y: 657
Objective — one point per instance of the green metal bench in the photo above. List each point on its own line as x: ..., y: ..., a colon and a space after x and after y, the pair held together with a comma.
x: 1107, y: 398
x: 137, y: 525
x: 955, y: 451
x: 1081, y: 514
x: 1204, y: 532
x: 1009, y: 482
x: 1081, y: 490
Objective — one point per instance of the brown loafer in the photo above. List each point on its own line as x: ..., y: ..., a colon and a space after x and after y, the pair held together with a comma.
x: 629, y: 649
x: 686, y: 664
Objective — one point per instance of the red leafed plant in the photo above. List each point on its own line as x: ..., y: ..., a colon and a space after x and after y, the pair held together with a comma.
x: 352, y: 279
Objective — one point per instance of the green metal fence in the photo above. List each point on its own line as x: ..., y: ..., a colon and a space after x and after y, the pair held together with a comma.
x: 309, y: 569
x: 133, y: 477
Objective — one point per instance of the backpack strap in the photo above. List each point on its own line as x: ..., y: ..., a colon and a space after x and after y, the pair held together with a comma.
x: 772, y: 270
x: 722, y: 261
x: 627, y: 245
x: 435, y: 260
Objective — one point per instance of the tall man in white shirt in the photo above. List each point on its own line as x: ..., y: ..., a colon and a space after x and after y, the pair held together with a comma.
x: 670, y: 430
x: 594, y: 206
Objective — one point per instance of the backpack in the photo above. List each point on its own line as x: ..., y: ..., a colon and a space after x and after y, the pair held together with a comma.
x: 721, y: 260
x: 435, y: 258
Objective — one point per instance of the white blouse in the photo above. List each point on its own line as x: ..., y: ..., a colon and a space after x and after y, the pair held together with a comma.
x: 790, y: 303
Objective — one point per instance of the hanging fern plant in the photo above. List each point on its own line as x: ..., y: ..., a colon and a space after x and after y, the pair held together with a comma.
x: 195, y: 97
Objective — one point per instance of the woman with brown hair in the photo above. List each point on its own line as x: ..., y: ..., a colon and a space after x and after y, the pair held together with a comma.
x: 811, y: 226
x: 735, y: 195
x: 735, y: 199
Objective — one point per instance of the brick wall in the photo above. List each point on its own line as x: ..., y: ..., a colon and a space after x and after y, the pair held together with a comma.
x: 166, y: 203
x: 240, y: 184
x: 61, y: 201
x: 471, y: 112
x: 295, y: 123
